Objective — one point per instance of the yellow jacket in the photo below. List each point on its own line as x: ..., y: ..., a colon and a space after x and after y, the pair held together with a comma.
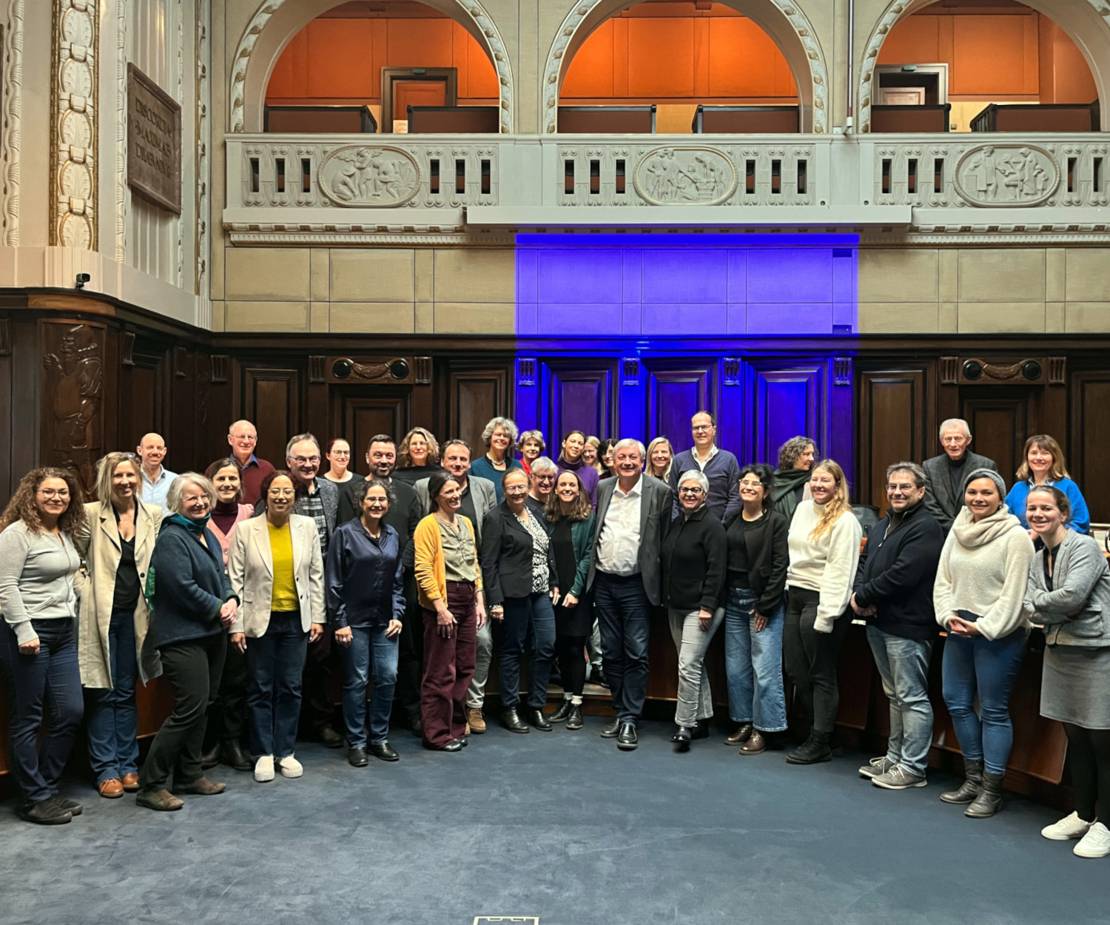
x: 431, y: 573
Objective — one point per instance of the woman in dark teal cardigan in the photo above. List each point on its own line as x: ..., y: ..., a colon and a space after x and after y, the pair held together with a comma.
x: 571, y: 518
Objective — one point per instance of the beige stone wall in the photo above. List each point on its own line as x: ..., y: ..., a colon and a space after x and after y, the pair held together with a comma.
x: 941, y: 290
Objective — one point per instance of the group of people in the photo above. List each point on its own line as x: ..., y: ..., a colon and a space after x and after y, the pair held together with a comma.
x: 254, y: 590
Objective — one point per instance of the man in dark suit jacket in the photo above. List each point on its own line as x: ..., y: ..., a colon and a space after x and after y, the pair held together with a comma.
x: 944, y: 474
x: 633, y: 510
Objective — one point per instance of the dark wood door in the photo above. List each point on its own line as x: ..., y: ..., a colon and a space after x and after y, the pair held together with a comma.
x: 580, y: 396
x: 1090, y: 435
x: 895, y: 422
x: 1001, y: 417
x: 360, y: 412
x: 675, y: 393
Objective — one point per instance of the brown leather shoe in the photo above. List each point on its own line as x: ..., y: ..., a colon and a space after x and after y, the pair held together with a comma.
x: 740, y: 736
x: 161, y: 800
x: 202, y: 787
x: 476, y: 720
x: 110, y: 789
x: 755, y: 744
x: 131, y: 781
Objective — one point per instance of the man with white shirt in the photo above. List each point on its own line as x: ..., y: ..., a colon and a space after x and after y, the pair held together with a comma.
x: 156, y: 477
x: 633, y: 510
x: 719, y: 466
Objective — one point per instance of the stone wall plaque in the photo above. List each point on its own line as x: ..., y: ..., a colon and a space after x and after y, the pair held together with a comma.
x: 153, y: 141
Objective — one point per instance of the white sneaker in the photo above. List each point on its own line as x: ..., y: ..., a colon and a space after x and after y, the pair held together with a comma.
x: 875, y: 767
x: 1095, y: 844
x: 264, y: 769
x: 898, y: 778
x: 1068, y: 827
x: 290, y: 767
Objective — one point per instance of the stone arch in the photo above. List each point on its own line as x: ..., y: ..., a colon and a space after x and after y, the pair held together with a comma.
x: 1087, y: 23
x: 782, y: 20
x: 275, y: 22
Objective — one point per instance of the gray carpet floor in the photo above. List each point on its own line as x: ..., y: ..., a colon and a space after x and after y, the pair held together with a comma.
x: 561, y: 826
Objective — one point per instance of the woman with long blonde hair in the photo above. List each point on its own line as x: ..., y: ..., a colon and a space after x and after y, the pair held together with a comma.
x: 660, y: 456
x: 824, y: 544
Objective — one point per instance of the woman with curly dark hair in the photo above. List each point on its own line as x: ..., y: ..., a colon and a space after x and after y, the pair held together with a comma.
x: 796, y: 458
x: 37, y: 563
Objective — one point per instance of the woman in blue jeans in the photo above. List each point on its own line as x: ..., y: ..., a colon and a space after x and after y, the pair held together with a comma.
x: 979, y: 598
x: 756, y: 578
x: 366, y: 604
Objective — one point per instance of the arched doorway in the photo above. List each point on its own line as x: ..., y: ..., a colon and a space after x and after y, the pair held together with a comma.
x: 781, y: 20
x: 1060, y: 51
x: 276, y: 23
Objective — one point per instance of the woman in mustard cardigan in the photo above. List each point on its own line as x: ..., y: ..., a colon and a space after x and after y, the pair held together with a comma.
x: 449, y: 583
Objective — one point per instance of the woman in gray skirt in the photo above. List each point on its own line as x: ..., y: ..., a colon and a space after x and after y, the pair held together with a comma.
x: 1069, y: 595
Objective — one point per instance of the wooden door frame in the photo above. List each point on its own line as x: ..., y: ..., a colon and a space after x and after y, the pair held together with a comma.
x: 449, y: 76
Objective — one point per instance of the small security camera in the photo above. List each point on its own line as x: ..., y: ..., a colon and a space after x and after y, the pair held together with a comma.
x: 82, y: 278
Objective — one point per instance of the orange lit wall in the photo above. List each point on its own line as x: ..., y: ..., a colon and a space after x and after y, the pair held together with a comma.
x: 1014, y: 54
x: 341, y: 60
x: 661, y: 53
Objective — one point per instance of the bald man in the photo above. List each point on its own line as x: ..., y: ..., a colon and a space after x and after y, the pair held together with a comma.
x: 156, y: 477
x: 242, y: 438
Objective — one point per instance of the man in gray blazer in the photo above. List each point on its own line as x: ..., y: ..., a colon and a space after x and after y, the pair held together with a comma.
x: 633, y: 510
x: 479, y: 497
x: 944, y: 474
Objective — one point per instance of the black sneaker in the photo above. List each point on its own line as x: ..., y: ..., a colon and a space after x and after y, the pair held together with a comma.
x: 45, y: 812
x: 72, y: 806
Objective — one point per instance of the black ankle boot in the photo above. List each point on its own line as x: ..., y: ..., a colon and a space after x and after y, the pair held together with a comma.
x: 969, y: 789
x: 561, y: 715
x: 511, y: 720
x: 537, y: 720
x: 989, y: 799
x: 574, y: 718
x: 813, y: 750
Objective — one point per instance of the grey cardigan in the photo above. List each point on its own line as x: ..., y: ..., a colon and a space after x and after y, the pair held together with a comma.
x: 1076, y: 612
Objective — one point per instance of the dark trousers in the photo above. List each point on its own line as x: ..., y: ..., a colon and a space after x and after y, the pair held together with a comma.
x: 527, y: 618
x: 111, y: 720
x: 227, y: 717
x: 410, y: 656
x: 623, y: 610
x: 448, y: 667
x: 46, y: 683
x: 322, y: 683
x: 1089, y: 761
x: 811, y: 659
x: 571, y: 653
x: 193, y: 669
x: 275, y: 663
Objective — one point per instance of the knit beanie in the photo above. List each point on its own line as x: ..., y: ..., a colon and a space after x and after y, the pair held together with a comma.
x: 985, y: 474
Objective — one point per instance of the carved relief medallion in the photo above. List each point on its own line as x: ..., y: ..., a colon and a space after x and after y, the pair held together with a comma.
x: 695, y: 175
x: 369, y: 176
x: 1007, y: 175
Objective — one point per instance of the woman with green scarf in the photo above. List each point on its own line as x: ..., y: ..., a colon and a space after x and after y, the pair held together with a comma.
x: 791, y: 484
x: 193, y: 607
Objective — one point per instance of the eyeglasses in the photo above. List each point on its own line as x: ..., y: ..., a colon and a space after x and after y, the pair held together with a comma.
x: 301, y: 460
x: 699, y: 427
x: 691, y: 490
x: 54, y: 492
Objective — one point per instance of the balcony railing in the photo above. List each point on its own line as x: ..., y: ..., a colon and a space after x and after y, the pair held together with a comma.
x: 339, y: 182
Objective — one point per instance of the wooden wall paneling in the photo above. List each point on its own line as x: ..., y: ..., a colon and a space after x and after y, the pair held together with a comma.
x: 894, y: 423
x: 1090, y: 436
x: 1000, y: 417
x: 676, y: 391
x: 182, y: 452
x: 1040, y: 744
x: 785, y: 398
x: 221, y: 409
x: 474, y: 395
x: 26, y: 398
x: 7, y: 419
x: 582, y: 394
x: 144, y: 386
x: 856, y: 673
x: 360, y: 412
x: 271, y: 399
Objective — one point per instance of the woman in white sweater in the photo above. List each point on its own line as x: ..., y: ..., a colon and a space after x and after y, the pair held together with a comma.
x: 978, y: 597
x: 824, y: 551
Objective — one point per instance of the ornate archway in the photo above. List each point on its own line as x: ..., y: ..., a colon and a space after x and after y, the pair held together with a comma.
x: 787, y: 25
x: 275, y: 22
x: 1087, y: 23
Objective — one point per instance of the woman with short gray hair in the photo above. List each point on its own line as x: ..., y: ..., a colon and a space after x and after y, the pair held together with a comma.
x: 499, y: 436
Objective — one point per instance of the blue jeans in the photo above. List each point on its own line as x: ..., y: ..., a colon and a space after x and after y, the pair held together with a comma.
x: 974, y: 665
x: 112, y: 723
x: 903, y: 665
x: 753, y: 664
x: 46, y: 684
x: 275, y: 664
x: 370, y: 650
x: 523, y: 614
x: 623, y: 611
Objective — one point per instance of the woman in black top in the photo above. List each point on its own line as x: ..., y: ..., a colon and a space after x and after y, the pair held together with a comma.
x: 756, y: 577
x: 518, y: 573
x: 572, y: 531
x: 693, y: 573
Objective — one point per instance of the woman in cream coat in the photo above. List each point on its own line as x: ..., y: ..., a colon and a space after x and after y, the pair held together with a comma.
x: 115, y: 543
x: 277, y: 571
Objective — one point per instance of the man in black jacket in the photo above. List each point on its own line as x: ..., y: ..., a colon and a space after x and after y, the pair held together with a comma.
x: 893, y: 591
x: 945, y: 474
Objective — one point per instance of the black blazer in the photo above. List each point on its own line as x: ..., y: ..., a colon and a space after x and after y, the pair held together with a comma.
x: 506, y: 557
x: 939, y: 500
x: 655, y: 514
x: 768, y: 555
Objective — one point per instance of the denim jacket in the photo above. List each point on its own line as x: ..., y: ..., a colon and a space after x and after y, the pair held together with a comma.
x: 1076, y: 612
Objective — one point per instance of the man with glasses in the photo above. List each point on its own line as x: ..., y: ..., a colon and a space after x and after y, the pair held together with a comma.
x: 718, y: 466
x: 944, y: 474
x: 243, y: 438
x: 893, y: 592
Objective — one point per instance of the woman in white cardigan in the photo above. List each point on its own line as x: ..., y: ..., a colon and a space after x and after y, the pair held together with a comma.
x: 115, y: 543
x: 277, y: 571
x: 824, y: 544
x: 978, y: 598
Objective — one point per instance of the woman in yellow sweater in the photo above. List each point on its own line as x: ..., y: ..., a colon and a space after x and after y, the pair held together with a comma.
x: 449, y: 584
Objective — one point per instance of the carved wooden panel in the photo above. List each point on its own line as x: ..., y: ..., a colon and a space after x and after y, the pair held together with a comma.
x: 271, y: 399
x: 360, y: 412
x: 474, y: 396
x: 675, y: 393
x: 1001, y: 417
x: 784, y: 401
x: 581, y: 395
x: 893, y: 425
x: 1090, y: 436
